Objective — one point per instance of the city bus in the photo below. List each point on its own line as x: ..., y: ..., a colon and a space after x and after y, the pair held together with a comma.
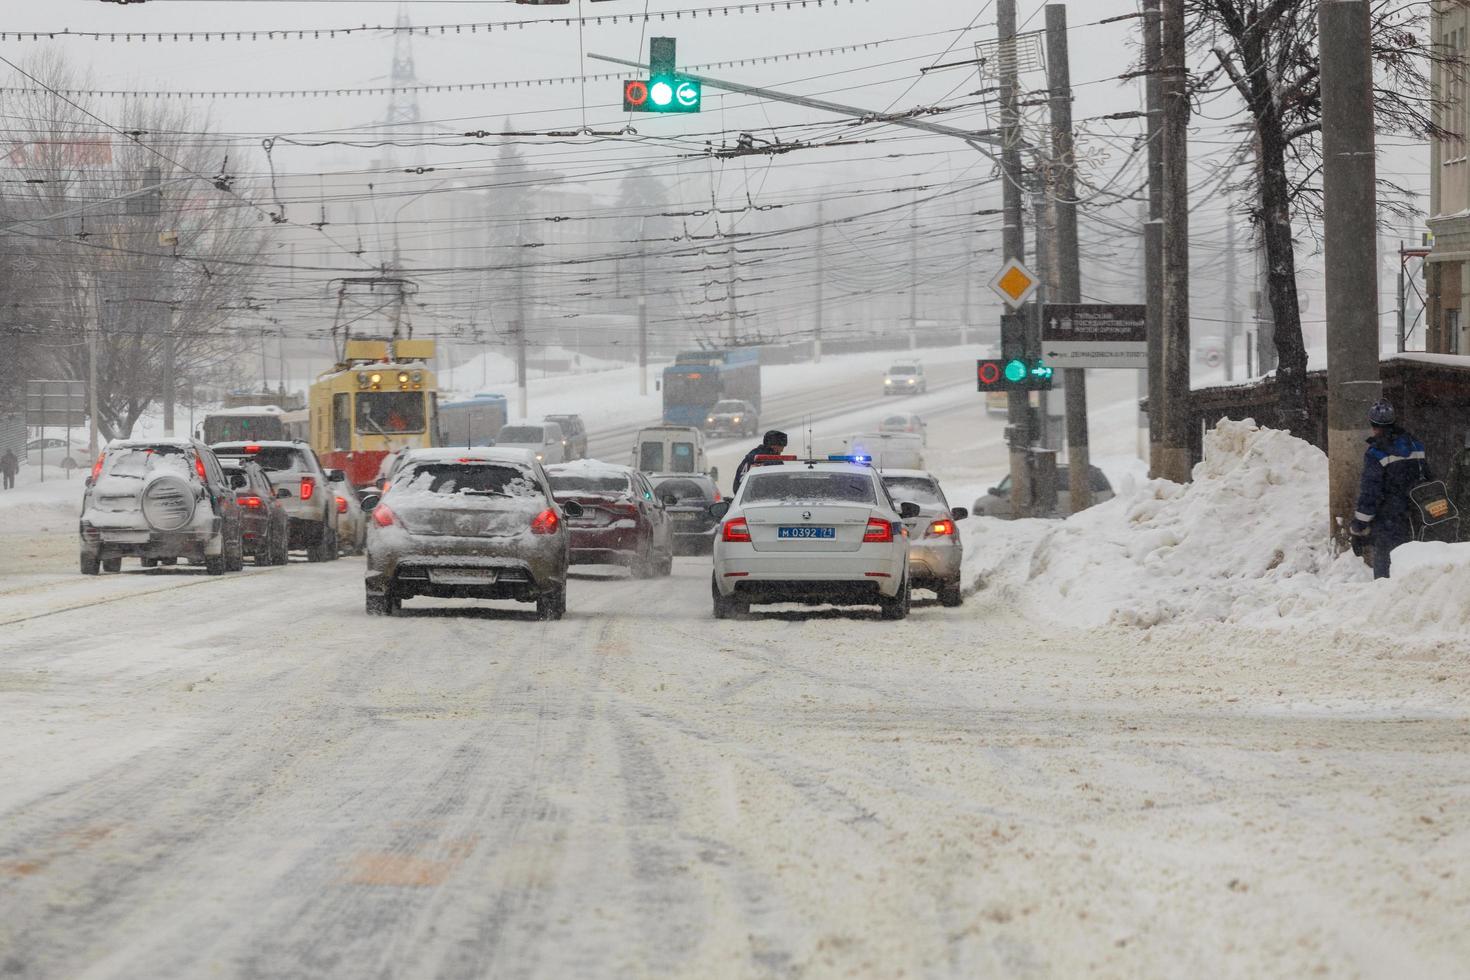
x: 698, y: 379
x: 381, y: 399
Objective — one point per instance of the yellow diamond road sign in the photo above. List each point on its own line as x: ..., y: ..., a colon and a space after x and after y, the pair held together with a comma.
x: 1014, y: 283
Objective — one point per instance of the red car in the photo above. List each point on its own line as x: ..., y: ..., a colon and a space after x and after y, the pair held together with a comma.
x: 623, y: 522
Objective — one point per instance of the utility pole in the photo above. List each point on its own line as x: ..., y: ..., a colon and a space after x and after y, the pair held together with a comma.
x: 92, y: 366
x: 914, y: 272
x: 1069, y: 261
x: 170, y: 319
x: 1265, y: 316
x: 1153, y: 231
x: 1349, y: 178
x: 1232, y: 310
x: 730, y: 294
x: 1013, y: 239
x: 966, y: 276
x: 1176, y: 458
x: 523, y: 395
x: 642, y: 315
x: 821, y: 285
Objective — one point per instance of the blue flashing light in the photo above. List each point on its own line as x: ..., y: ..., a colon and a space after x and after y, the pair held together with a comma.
x: 859, y: 458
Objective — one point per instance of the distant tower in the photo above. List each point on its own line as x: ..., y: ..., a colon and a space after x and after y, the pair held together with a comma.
x: 403, y: 120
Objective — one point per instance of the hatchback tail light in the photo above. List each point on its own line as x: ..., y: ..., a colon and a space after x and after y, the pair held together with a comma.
x: 879, y: 531
x: 736, y: 530
x: 546, y: 522
x: 199, y: 467
x: 308, y: 487
x: 341, y: 505
x: 252, y: 503
x: 941, y: 529
x: 384, y: 517
x: 97, y: 466
x: 623, y: 509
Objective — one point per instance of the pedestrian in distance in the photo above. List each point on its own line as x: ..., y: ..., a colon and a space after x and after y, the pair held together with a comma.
x: 8, y: 465
x: 1394, y: 464
x: 773, y: 444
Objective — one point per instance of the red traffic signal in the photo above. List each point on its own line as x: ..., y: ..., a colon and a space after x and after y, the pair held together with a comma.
x: 635, y: 95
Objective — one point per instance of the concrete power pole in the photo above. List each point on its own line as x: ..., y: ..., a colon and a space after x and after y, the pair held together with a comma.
x: 914, y: 273
x: 1350, y: 217
x: 1176, y: 459
x: 522, y: 378
x: 1069, y: 261
x: 821, y: 285
x: 1014, y: 238
x: 642, y: 314
x: 1153, y: 231
x: 730, y: 295
x: 1232, y: 308
x: 170, y: 321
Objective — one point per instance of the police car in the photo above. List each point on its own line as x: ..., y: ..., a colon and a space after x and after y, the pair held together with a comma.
x: 812, y: 531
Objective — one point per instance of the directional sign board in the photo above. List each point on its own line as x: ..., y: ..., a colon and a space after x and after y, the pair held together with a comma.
x: 58, y: 403
x: 1015, y: 284
x: 1094, y: 335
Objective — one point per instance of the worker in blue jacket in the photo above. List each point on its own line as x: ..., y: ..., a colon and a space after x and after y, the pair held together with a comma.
x: 1394, y: 464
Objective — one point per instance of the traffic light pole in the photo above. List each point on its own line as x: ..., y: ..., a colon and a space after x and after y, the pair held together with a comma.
x: 1176, y: 462
x: 1013, y: 242
x: 1069, y: 261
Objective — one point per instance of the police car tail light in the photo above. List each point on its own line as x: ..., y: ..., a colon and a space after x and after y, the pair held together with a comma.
x: 879, y: 531
x: 384, y: 517
x: 736, y: 530
x: 546, y: 522
x: 941, y: 529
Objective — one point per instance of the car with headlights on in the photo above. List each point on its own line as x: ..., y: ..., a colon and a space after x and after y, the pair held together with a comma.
x: 820, y: 531
x: 935, y: 549
x: 302, y: 486
x: 905, y: 378
x: 263, y: 522
x: 469, y: 524
x: 732, y: 417
x: 622, y: 521
x: 159, y: 500
x: 687, y: 497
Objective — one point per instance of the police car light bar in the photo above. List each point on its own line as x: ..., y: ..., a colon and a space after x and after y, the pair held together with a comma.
x: 775, y: 459
x: 857, y: 458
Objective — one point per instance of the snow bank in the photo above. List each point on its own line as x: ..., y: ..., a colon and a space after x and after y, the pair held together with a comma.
x: 37, y: 507
x: 1245, y: 542
x: 1428, y: 595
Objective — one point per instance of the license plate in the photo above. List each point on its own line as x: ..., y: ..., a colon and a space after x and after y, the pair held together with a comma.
x: 125, y: 537
x: 685, y: 518
x: 800, y: 533
x: 462, y: 576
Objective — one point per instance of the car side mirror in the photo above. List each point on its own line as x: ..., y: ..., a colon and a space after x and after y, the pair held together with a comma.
x: 336, y: 476
x: 908, y: 510
x: 282, y: 493
x: 959, y: 513
x: 369, y: 502
x: 572, y: 509
x: 718, y: 509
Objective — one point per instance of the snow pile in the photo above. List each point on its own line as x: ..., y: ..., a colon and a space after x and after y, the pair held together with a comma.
x: 1429, y: 594
x: 33, y: 508
x: 1245, y: 542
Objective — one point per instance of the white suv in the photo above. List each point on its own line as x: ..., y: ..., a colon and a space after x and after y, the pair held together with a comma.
x: 812, y: 531
x: 905, y: 378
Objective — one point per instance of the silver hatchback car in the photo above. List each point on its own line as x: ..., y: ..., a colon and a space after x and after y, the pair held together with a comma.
x: 476, y: 524
x: 936, y: 552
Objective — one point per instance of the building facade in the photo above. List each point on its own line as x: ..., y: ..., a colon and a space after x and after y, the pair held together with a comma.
x: 1448, y: 269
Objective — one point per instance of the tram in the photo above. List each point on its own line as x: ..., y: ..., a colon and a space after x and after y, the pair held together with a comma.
x: 381, y: 399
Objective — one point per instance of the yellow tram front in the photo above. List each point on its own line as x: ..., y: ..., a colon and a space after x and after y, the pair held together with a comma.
x: 381, y: 400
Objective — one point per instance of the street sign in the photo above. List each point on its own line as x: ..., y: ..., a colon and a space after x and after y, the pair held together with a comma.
x: 1015, y: 284
x: 1095, y: 335
x: 58, y: 403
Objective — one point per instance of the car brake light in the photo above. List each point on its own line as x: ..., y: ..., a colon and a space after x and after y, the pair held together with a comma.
x: 879, y: 531
x: 941, y: 529
x: 546, y: 522
x: 252, y: 449
x: 341, y: 505
x: 97, y: 466
x: 384, y: 517
x: 199, y: 466
x: 308, y: 487
x: 718, y: 498
x: 737, y: 530
x: 253, y: 503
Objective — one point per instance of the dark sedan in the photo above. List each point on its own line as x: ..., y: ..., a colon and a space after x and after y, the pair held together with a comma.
x: 622, y: 522
x: 692, y: 494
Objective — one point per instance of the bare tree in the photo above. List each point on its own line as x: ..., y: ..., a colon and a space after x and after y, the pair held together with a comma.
x: 1266, y: 52
x: 125, y: 226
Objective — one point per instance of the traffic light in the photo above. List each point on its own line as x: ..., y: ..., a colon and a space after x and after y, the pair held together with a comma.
x: 664, y: 90
x: 1013, y: 374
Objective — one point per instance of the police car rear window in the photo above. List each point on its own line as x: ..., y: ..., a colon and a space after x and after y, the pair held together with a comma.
x: 809, y: 486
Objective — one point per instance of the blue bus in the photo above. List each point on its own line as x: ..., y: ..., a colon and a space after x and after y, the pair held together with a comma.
x: 473, y: 422
x: 698, y: 379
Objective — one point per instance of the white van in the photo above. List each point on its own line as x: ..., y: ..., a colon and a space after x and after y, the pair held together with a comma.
x: 669, y: 449
x: 542, y: 439
x: 889, y: 450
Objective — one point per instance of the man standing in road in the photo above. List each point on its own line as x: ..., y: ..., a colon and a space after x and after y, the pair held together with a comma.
x: 1394, y: 464
x: 8, y: 466
x: 774, y: 444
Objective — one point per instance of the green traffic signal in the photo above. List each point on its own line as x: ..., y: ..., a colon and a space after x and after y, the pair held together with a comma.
x: 1016, y: 371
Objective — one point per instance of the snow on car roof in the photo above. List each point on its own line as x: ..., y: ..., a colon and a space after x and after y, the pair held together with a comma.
x: 910, y: 475
x: 488, y: 454
x: 589, y: 467
x: 268, y: 443
x: 142, y: 443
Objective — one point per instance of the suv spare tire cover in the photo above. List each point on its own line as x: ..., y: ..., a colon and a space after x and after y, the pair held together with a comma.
x: 168, y: 503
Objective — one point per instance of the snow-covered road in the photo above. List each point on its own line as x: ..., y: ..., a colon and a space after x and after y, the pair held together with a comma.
x: 246, y: 778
